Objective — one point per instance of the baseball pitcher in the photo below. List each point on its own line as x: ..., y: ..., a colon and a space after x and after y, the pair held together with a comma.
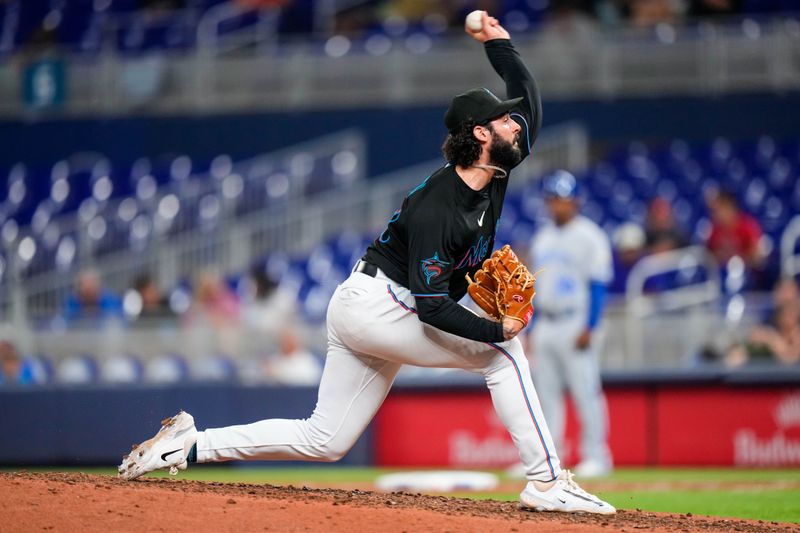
x: 400, y: 306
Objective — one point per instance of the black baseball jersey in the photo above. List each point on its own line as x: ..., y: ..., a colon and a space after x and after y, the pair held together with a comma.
x: 445, y: 229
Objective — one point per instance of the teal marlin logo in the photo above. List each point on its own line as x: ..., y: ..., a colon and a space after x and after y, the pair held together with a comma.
x: 433, y: 267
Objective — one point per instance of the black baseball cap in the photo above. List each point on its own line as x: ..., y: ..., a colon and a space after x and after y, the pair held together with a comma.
x: 480, y: 105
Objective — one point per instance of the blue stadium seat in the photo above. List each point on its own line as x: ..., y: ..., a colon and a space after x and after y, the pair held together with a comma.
x: 16, y: 190
x: 167, y: 368
x: 781, y: 174
x: 121, y: 369
x: 209, y: 211
x: 77, y: 370
x: 320, y: 263
x: 315, y: 303
x: 345, y: 245
x: 219, y: 368
x: 42, y: 369
x: 66, y: 252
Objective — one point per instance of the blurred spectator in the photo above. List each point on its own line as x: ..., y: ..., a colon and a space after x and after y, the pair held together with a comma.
x: 785, y: 292
x: 213, y: 317
x: 733, y: 232
x: 148, y: 301
x: 90, y: 301
x: 629, y: 241
x: 214, y: 303
x: 661, y: 231
x: 267, y: 308
x: 293, y: 364
x: 777, y: 340
x: 651, y: 12
x: 13, y: 370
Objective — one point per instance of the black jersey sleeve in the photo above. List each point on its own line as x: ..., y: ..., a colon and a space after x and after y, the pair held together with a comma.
x: 507, y: 62
x: 430, y: 267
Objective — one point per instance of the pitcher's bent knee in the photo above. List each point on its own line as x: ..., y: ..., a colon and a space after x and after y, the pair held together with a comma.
x: 328, y: 444
x: 332, y: 451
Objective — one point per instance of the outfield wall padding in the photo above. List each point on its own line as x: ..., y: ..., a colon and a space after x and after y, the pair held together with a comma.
x: 96, y: 426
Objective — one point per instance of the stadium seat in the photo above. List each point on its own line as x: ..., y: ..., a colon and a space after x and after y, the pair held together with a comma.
x: 217, y: 368
x: 121, y: 369
x: 41, y: 369
x: 315, y: 303
x: 164, y: 369
x: 320, y: 263
x: 76, y: 370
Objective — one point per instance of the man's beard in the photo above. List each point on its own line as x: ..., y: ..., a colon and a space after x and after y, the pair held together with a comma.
x: 504, y: 154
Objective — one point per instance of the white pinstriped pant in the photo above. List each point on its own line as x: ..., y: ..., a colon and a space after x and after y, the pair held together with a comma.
x: 372, y: 331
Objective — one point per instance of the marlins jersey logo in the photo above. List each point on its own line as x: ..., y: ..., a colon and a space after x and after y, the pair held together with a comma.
x: 433, y: 267
x: 476, y: 252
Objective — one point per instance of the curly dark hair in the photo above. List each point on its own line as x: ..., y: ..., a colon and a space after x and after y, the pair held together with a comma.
x: 461, y: 147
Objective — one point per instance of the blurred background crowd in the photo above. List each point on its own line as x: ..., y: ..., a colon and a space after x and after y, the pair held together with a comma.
x: 61, y: 20
x: 186, y: 181
x: 36, y: 25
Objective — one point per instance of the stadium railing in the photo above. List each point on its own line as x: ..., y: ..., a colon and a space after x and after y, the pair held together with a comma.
x: 661, y: 328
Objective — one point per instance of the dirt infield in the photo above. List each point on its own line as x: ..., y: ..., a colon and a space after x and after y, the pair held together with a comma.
x: 81, y: 502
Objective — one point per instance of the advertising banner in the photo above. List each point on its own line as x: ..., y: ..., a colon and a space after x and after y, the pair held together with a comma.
x: 649, y: 425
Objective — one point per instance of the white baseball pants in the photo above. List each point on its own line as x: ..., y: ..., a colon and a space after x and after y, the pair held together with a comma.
x: 558, y: 367
x: 372, y: 331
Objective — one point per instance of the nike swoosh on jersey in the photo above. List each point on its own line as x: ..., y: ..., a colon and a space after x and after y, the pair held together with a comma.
x: 480, y: 220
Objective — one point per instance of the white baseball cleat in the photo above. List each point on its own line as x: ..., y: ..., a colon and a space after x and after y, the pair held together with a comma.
x: 562, y: 494
x: 166, y: 450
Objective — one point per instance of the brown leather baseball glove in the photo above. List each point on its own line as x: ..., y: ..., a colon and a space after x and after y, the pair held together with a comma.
x: 503, y: 287
x: 483, y: 290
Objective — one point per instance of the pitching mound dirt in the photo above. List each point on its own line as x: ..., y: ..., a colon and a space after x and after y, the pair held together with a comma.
x: 80, y: 502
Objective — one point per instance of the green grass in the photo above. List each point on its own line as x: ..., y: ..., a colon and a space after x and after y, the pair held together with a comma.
x: 743, y: 475
x: 770, y: 504
x: 767, y: 503
x: 777, y: 505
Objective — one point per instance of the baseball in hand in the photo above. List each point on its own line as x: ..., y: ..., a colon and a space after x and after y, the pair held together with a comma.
x: 474, y: 20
